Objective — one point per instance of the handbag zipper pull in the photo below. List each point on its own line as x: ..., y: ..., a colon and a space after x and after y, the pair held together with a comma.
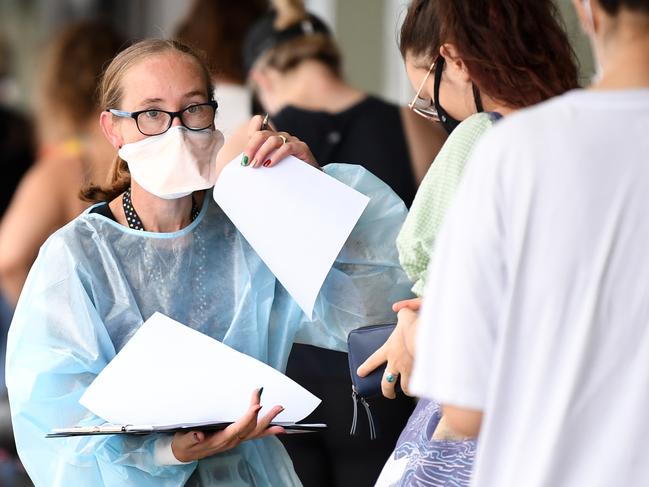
x: 370, y: 419
x: 355, y: 419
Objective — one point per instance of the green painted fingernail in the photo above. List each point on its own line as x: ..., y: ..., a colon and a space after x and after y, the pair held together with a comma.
x: 260, y: 391
x: 244, y: 161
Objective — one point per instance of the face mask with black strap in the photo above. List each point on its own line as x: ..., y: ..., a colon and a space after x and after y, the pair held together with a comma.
x: 445, y: 119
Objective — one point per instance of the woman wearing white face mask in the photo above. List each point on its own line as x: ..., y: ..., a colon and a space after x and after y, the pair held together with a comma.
x: 179, y: 161
x: 156, y: 242
x: 540, y: 272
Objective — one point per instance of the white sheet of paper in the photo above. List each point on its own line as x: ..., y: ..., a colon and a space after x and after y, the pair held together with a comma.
x: 296, y: 217
x: 169, y: 374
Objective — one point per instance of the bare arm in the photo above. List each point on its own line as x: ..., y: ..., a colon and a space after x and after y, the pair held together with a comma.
x: 424, y: 139
x: 466, y: 422
x: 38, y: 208
x: 462, y: 423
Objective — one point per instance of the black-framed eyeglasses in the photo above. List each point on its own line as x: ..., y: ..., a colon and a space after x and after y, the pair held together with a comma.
x: 155, y: 122
x: 421, y: 106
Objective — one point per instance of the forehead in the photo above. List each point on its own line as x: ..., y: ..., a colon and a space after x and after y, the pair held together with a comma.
x: 417, y: 62
x: 166, y: 76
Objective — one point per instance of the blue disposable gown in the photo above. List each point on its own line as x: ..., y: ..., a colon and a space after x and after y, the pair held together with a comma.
x: 95, y: 282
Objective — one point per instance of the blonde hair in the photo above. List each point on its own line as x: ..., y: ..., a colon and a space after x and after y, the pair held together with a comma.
x: 289, y: 12
x: 289, y: 54
x: 111, y: 94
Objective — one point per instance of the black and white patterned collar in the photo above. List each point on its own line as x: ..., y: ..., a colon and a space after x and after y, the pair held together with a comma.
x: 133, y: 219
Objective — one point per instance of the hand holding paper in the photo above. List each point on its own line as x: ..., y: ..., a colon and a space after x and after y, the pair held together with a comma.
x: 267, y: 147
x: 196, y: 445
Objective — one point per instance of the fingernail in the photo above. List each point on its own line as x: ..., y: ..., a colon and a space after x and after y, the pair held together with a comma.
x: 281, y: 408
x: 244, y: 161
x: 261, y: 389
x: 267, y: 163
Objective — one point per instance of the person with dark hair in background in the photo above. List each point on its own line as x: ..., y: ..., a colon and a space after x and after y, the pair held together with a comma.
x: 540, y: 275
x: 218, y: 28
x: 296, y: 69
x: 72, y: 149
x: 470, y: 68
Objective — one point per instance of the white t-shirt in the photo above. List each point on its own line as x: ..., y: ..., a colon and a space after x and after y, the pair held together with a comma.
x: 537, y: 307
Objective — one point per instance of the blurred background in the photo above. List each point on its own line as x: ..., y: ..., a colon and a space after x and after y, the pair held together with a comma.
x: 365, y: 29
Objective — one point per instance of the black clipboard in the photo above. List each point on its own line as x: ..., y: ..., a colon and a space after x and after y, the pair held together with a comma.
x: 114, y: 429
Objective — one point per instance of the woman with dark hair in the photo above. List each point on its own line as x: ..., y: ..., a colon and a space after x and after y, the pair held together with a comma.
x: 540, y: 276
x: 472, y: 64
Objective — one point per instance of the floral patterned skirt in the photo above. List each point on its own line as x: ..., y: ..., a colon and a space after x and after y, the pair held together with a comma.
x: 420, y: 461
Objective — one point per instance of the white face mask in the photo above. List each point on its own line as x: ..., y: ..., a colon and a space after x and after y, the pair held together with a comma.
x: 176, y: 163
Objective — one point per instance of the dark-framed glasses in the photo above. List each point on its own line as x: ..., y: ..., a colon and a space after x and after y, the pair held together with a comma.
x: 155, y: 122
x: 421, y: 106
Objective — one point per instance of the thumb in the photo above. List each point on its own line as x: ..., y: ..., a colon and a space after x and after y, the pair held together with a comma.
x: 413, y: 304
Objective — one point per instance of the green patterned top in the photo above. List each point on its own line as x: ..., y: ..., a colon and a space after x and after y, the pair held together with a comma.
x: 417, y: 237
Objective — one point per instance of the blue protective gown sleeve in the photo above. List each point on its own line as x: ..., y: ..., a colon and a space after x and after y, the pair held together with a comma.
x: 366, y: 278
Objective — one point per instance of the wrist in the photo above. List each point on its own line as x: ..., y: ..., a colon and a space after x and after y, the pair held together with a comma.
x: 166, y: 452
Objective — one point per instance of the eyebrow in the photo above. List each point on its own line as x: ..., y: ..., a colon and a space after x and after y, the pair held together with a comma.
x: 150, y: 100
x: 194, y: 93
x: 191, y: 94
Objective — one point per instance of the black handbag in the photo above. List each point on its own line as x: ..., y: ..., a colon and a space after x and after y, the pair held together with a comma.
x: 361, y: 343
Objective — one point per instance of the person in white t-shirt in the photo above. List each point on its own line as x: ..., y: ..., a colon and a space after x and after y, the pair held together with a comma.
x: 535, y: 329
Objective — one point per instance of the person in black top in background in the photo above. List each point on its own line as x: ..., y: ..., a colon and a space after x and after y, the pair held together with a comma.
x: 353, y: 135
x: 17, y: 151
x: 295, y: 68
